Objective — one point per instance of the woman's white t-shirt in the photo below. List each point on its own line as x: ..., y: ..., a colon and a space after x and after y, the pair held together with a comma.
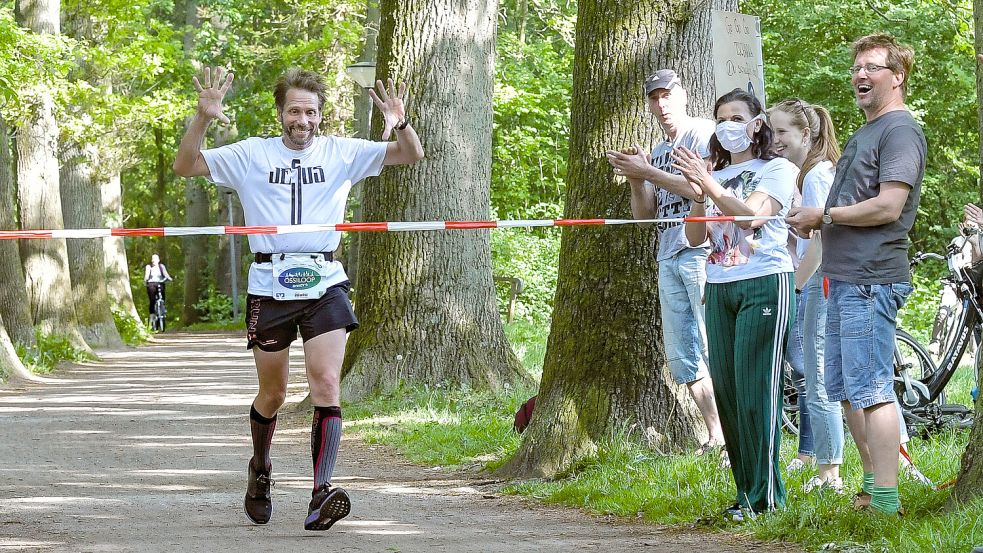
x: 815, y: 190
x: 739, y: 254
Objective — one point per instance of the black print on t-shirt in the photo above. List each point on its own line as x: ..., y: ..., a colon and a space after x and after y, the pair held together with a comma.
x: 296, y: 176
x: 671, y: 206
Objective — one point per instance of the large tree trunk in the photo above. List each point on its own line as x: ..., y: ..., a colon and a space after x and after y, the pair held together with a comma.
x: 196, y: 204
x: 605, y: 365
x: 426, y: 301
x: 11, y: 368
x: 969, y: 484
x: 14, y: 305
x: 82, y: 208
x: 114, y: 250
x: 45, y: 262
x: 363, y: 129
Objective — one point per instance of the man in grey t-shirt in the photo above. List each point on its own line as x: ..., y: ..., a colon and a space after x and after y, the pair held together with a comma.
x: 865, y: 223
x: 658, y: 190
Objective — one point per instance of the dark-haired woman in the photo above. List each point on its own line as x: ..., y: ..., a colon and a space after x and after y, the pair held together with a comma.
x: 750, y: 300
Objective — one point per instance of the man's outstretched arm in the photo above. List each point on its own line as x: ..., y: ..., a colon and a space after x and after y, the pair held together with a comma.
x: 189, y: 162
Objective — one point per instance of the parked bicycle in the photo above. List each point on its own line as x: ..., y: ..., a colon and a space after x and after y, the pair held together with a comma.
x: 920, y: 383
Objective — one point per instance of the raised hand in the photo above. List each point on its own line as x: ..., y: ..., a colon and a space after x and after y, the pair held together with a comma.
x: 973, y: 215
x: 211, y: 91
x: 390, y: 104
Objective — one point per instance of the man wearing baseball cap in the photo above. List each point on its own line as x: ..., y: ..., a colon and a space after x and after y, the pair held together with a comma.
x: 658, y: 190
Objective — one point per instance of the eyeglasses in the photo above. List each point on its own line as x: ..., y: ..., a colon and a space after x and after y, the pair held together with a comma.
x: 867, y: 67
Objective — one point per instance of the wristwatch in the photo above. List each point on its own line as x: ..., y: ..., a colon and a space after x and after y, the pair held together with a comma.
x: 827, y: 218
x: 402, y: 124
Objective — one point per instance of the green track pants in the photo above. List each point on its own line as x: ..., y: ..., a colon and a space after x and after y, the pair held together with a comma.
x: 748, y: 324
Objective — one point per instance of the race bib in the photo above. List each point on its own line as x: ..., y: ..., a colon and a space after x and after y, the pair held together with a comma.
x: 299, y: 276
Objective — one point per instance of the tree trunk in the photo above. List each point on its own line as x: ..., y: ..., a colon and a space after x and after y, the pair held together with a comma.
x: 969, y: 484
x: 45, y: 262
x: 605, y: 366
x: 11, y: 368
x: 14, y: 305
x: 196, y: 204
x: 426, y: 301
x: 363, y: 129
x: 82, y: 208
x: 114, y: 250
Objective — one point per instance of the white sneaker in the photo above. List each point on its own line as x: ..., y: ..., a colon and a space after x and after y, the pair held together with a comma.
x: 795, y: 465
x: 817, y: 483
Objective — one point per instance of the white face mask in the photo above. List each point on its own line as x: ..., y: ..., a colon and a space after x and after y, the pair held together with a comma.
x: 733, y: 135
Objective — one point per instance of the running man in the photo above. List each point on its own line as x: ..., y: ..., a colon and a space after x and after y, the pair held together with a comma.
x: 295, y: 178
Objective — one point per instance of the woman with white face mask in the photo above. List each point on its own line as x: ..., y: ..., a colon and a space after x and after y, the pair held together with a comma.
x: 749, y: 298
x: 805, y: 136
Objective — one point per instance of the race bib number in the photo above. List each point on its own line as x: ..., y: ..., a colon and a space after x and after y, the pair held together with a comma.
x: 299, y: 276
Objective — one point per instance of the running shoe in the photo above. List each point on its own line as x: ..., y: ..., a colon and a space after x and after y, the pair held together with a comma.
x: 734, y: 513
x: 328, y: 506
x: 258, y: 502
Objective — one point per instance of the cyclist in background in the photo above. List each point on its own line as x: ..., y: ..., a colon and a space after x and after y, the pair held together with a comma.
x: 154, y: 276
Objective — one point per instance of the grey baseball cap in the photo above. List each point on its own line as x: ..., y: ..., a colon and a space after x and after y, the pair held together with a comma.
x: 663, y: 78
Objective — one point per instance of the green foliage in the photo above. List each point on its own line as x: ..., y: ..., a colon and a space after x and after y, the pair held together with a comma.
x: 132, y: 331
x: 48, y: 351
x: 813, y: 63
x: 533, y: 258
x: 532, y: 123
x: 215, y: 307
x: 529, y: 343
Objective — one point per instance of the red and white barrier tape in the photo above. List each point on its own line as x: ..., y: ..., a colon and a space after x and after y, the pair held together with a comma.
x: 347, y: 227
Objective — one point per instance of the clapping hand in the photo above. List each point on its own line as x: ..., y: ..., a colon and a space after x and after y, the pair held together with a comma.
x: 211, y: 91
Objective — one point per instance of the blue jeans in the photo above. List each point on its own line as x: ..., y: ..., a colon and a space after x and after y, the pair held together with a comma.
x: 825, y: 416
x: 682, y: 278
x: 793, y: 355
x: 860, y: 328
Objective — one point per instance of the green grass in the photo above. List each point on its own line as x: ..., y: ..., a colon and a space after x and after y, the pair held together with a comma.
x: 435, y: 426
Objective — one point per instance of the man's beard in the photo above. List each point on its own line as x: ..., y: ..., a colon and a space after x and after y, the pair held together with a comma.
x: 288, y: 132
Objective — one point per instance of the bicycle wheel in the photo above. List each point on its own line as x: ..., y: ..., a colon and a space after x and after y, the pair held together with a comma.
x: 790, y: 402
x: 161, y: 315
x: 916, y: 358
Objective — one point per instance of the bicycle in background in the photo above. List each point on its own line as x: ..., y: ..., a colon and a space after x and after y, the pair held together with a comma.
x: 919, y: 381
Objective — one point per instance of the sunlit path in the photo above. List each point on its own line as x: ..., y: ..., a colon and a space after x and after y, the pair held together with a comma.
x: 146, y: 451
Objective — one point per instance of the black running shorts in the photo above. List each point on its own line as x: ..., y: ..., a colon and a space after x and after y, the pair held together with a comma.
x: 271, y: 325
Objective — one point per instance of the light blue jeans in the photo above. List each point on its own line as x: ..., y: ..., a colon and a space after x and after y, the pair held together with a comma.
x: 682, y: 278
x: 825, y: 416
x: 860, y: 341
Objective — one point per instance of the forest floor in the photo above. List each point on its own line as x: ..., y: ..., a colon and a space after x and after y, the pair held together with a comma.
x: 146, y: 450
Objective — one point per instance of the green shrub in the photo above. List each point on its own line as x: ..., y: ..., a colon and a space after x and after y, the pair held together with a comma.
x: 48, y: 351
x: 215, y: 307
x: 133, y: 331
x: 534, y: 258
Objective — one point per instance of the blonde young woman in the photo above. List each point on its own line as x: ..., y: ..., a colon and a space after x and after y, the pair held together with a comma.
x: 749, y: 300
x: 805, y: 136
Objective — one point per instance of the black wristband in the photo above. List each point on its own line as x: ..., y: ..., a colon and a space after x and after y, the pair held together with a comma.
x: 797, y: 291
x: 402, y: 124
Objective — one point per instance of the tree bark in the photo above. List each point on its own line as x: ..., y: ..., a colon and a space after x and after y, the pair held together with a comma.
x: 969, y: 484
x: 46, y: 271
x: 605, y: 370
x: 114, y: 250
x: 426, y: 301
x: 82, y: 208
x: 363, y: 129
x: 14, y: 304
x: 197, y: 214
x: 11, y: 368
